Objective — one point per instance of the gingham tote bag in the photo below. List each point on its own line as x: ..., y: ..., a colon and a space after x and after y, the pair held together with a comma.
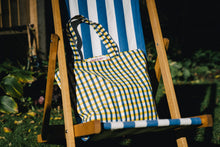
x: 114, y: 87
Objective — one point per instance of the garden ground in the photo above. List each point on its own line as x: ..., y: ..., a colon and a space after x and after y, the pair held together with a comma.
x: 21, y: 129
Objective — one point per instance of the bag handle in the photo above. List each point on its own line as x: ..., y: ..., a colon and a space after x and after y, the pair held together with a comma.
x: 107, y: 40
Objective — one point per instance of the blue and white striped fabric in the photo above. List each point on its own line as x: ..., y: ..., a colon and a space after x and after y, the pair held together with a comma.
x: 152, y: 123
x: 118, y: 129
x: 121, y: 18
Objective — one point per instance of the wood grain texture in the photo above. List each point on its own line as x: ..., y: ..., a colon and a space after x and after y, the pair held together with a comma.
x: 164, y: 66
x: 70, y: 138
x: 49, y: 85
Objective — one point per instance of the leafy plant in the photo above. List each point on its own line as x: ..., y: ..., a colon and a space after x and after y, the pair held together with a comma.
x: 204, y: 65
x: 12, y: 81
x: 7, y: 104
x: 11, y: 86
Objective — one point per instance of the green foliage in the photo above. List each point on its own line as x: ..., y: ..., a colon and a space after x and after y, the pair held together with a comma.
x: 7, y: 104
x: 12, y: 82
x: 204, y: 65
x: 11, y: 86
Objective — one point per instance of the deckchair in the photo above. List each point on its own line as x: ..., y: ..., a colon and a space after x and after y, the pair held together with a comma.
x: 116, y: 19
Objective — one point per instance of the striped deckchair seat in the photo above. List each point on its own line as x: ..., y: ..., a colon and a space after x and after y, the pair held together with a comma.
x: 121, y: 18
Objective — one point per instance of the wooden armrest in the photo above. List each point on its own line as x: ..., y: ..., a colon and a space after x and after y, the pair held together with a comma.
x: 206, y: 119
x: 56, y: 133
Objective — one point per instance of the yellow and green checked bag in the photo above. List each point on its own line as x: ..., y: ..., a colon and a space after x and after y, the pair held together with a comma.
x: 114, y: 89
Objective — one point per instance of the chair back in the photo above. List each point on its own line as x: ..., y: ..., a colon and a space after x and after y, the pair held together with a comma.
x: 121, y: 18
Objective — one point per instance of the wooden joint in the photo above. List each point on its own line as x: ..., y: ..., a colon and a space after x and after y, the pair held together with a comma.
x: 206, y: 119
x: 40, y: 140
x: 157, y: 65
x: 82, y: 129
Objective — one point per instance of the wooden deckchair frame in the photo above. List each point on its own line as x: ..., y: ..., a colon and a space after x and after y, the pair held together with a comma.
x: 94, y: 127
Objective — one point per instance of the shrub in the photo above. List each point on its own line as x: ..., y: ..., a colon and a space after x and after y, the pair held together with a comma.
x: 13, y: 79
x: 204, y: 65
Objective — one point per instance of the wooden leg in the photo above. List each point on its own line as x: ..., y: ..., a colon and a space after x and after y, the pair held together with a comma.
x: 49, y: 86
x: 164, y: 66
x: 182, y: 142
x: 162, y: 57
x: 68, y: 120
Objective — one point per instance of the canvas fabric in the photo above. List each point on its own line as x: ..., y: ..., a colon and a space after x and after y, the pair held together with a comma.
x: 114, y: 89
x: 121, y: 18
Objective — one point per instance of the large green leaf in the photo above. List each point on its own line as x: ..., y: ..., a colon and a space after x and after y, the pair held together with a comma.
x: 12, y: 86
x: 23, y: 76
x: 8, y: 105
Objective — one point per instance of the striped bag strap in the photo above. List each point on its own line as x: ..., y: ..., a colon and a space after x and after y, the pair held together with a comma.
x: 107, y: 40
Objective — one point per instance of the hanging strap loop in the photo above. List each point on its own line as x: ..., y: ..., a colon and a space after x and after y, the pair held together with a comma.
x: 107, y: 40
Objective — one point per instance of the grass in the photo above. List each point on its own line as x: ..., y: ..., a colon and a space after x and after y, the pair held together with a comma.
x: 21, y: 129
x: 19, y: 134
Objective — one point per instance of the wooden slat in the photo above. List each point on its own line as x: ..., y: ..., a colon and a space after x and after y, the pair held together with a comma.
x: 56, y: 132
x: 1, y: 24
x: 164, y: 66
x: 5, y: 13
x: 89, y: 128
x: 9, y: 13
x: 206, y: 119
x: 14, y: 12
x: 157, y: 65
x: 162, y: 57
x: 34, y: 19
x: 49, y: 86
x: 70, y: 137
x: 18, y: 12
x: 24, y: 9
